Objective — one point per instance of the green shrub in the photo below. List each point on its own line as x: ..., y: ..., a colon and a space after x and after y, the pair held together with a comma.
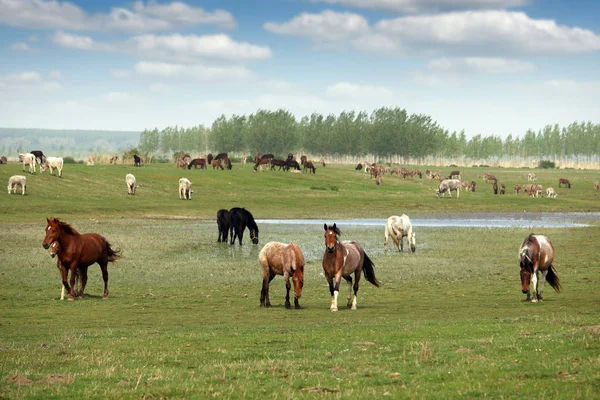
x: 546, y: 164
x: 69, y: 160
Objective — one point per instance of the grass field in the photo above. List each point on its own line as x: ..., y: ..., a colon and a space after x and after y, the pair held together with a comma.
x: 182, y: 319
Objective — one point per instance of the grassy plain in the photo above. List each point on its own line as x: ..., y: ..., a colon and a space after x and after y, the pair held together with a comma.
x: 182, y: 319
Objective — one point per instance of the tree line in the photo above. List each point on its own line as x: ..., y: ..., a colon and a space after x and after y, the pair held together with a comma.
x: 384, y: 133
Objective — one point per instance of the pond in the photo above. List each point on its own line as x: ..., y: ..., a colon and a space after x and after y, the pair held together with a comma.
x: 510, y: 220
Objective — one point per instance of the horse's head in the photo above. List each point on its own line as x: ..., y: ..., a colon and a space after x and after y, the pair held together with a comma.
x: 525, y: 279
x: 331, y: 237
x: 254, y: 236
x: 52, y: 232
x: 526, y: 262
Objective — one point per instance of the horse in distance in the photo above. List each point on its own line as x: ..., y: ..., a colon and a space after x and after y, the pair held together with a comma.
x: 286, y: 260
x: 341, y: 260
x: 536, y: 255
x: 400, y: 227
x: 79, y: 251
x: 239, y: 220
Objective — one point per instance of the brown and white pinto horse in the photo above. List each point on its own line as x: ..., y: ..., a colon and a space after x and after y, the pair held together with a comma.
x: 537, y: 254
x: 79, y: 251
x: 340, y: 260
x: 286, y: 260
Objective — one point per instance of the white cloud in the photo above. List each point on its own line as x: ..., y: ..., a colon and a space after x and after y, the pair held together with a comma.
x: 120, y: 73
x: 194, y: 72
x: 76, y: 42
x: 28, y: 81
x: 55, y: 75
x: 484, y: 33
x: 20, y: 46
x: 470, y: 65
x: 22, y: 77
x: 328, y: 26
x: 346, y: 90
x: 53, y: 14
x: 415, y: 6
x: 193, y: 47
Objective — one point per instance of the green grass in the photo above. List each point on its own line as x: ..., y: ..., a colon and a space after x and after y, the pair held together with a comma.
x: 182, y: 319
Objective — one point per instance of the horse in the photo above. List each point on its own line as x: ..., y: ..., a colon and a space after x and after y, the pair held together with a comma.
x: 54, y: 249
x: 197, y: 162
x: 79, y: 251
x: 537, y: 254
x: 358, y: 167
x: 239, y: 219
x: 292, y: 164
x: 261, y: 162
x: 223, y: 224
x: 137, y: 160
x: 340, y: 260
x: 227, y: 163
x: 53, y: 162
x: 209, y: 158
x: 217, y: 164
x: 221, y: 156
x: 131, y: 183
x: 564, y: 181
x: 39, y: 155
x: 28, y: 159
x: 185, y: 189
x: 398, y: 228
x: 17, y: 180
x: 282, y: 259
x: 277, y: 163
x: 310, y: 166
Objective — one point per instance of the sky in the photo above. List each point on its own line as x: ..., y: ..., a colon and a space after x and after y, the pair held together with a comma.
x: 488, y: 67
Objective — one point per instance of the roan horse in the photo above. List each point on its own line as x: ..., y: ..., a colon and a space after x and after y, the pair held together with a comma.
x: 286, y: 260
x: 340, y: 260
x: 537, y: 254
x: 79, y: 251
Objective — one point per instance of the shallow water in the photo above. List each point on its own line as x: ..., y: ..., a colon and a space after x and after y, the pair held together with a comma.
x: 513, y: 220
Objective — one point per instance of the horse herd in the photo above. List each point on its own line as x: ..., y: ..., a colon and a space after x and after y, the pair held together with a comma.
x: 29, y: 160
x: 75, y: 252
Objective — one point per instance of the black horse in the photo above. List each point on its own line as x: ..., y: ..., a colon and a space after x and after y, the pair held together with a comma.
x: 292, y: 164
x: 137, y: 161
x: 239, y: 219
x: 39, y: 156
x: 223, y: 223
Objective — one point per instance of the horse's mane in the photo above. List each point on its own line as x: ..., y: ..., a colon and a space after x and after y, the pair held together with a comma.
x: 66, y: 227
x: 335, y: 229
x: 251, y: 223
x: 530, y: 238
x: 299, y: 256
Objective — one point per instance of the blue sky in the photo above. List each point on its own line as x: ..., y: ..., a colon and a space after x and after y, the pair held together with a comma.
x: 486, y: 66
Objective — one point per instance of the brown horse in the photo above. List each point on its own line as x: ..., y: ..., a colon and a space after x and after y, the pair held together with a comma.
x: 340, y: 260
x: 54, y: 250
x: 79, y: 252
x: 564, y: 181
x: 537, y: 254
x: 286, y: 260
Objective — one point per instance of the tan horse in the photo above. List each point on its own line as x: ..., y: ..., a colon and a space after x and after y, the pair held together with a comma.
x: 537, y: 254
x: 282, y: 259
x: 341, y: 260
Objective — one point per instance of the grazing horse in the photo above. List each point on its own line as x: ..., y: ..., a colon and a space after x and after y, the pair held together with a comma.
x: 292, y: 164
x: 28, y: 159
x: 137, y: 160
x: 239, y: 219
x: 358, y: 167
x: 310, y: 166
x: 224, y: 225
x: 131, y: 183
x: 54, y: 249
x: 262, y: 162
x: 399, y: 228
x: 17, y: 180
x: 340, y: 260
x: 79, y: 251
x: 286, y: 260
x: 277, y: 163
x: 221, y: 156
x: 537, y: 254
x: 564, y: 181
x: 185, y: 189
x: 3, y: 160
x: 596, y: 186
x: 217, y: 164
x: 517, y: 189
x: 53, y: 162
x: 197, y: 162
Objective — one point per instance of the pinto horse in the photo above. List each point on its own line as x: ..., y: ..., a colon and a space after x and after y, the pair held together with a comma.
x: 239, y: 219
x: 537, y: 254
x: 286, y: 260
x: 340, y: 260
x: 79, y: 251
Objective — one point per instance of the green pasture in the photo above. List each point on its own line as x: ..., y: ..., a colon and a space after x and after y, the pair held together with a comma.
x: 182, y: 319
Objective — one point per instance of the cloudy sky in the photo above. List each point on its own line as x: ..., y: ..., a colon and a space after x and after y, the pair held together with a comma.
x: 485, y: 66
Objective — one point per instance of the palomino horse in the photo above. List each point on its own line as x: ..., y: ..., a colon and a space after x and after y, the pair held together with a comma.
x: 537, y: 254
x: 54, y: 249
x: 286, y: 260
x: 79, y: 251
x: 340, y: 260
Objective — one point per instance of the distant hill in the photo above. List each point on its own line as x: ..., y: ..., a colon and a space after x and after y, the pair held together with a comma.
x: 65, y: 142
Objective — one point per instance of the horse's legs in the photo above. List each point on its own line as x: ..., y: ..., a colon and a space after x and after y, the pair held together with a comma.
x: 335, y: 291
x: 356, y: 280
x: 287, y: 293
x: 534, y: 286
x: 264, y: 294
x: 240, y: 234
x: 541, y: 285
x: 83, y: 278
x: 349, y: 298
x: 72, y: 281
x: 104, y: 269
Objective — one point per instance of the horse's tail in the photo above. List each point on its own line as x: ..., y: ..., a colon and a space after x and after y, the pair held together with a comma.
x: 552, y: 279
x: 113, y: 254
x: 369, y: 270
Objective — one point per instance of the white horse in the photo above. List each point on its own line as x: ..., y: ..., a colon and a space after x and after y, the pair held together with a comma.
x: 17, y: 180
x: 131, y: 183
x: 52, y: 162
x: 398, y: 228
x: 185, y: 189
x: 28, y: 159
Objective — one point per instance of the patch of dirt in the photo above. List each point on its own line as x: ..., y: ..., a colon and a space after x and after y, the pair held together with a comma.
x: 318, y: 390
x: 19, y: 380
x: 56, y: 379
x: 394, y: 375
x: 595, y: 330
x: 463, y: 350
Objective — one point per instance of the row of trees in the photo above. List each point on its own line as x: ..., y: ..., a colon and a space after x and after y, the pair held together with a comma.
x: 385, y: 133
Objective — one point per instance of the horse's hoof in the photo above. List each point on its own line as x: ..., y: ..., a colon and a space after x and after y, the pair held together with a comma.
x: 534, y: 300
x: 297, y: 307
x: 105, y: 297
x: 333, y: 309
x: 353, y: 308
x: 288, y: 305
x: 71, y: 298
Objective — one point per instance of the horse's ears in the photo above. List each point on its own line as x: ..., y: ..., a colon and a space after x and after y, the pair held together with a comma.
x: 325, y: 226
x: 334, y: 226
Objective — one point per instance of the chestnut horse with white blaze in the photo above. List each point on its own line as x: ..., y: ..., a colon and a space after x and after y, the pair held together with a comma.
x: 79, y: 251
x: 54, y: 249
x: 282, y: 259
x: 341, y: 260
x: 536, y: 254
